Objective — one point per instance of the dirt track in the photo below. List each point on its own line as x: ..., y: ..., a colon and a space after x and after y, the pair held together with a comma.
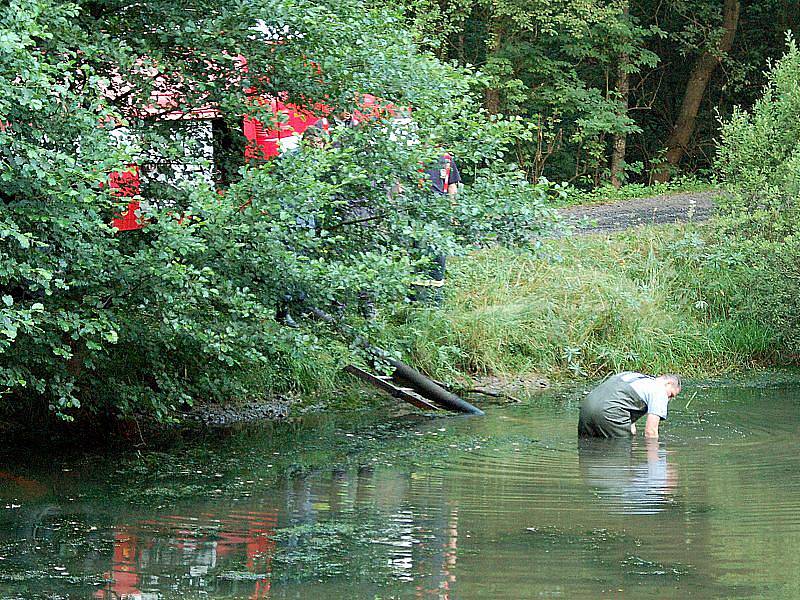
x: 672, y: 208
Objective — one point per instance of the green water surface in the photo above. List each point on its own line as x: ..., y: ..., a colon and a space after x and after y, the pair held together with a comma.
x: 417, y: 506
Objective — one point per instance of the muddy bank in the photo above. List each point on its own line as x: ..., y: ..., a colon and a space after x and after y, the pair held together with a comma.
x: 480, y: 391
x: 217, y: 415
x: 46, y: 432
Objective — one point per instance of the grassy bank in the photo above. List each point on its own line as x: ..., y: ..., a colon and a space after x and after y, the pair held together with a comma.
x: 587, y: 305
x: 648, y: 299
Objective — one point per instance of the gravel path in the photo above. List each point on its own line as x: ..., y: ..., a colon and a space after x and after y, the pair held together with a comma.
x: 671, y: 208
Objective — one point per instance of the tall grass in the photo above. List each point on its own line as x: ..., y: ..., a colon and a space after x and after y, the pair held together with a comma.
x: 584, y: 306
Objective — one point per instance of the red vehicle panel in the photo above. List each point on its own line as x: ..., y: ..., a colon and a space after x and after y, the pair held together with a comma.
x: 262, y: 144
x: 126, y: 184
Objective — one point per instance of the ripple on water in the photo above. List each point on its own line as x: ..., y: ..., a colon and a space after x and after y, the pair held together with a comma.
x: 510, y: 505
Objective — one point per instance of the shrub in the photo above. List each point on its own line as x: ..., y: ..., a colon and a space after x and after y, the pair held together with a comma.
x: 96, y: 320
x: 758, y: 241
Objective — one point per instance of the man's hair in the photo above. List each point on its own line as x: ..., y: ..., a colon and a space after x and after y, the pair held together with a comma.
x: 673, y: 379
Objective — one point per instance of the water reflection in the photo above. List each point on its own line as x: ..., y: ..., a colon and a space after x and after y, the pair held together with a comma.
x: 317, y: 526
x: 631, y: 476
x: 498, y: 507
x: 178, y: 549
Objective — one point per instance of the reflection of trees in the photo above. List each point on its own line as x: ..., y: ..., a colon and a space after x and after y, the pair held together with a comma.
x: 229, y: 547
x: 369, y: 525
x: 142, y: 556
x: 398, y: 539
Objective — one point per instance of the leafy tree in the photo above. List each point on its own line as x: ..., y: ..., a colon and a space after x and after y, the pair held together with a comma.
x: 612, y: 91
x: 94, y: 320
x: 556, y: 65
x: 759, y: 158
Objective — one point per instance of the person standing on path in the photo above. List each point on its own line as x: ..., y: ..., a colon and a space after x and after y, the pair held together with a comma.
x: 613, y: 407
x: 444, y: 176
x: 445, y: 181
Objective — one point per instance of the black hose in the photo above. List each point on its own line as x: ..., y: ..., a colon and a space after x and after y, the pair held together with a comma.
x: 402, y: 371
x: 430, y: 390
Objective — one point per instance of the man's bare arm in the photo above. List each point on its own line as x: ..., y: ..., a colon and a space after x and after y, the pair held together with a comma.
x: 651, y: 426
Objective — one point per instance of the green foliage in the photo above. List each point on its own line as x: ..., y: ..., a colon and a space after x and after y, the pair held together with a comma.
x: 759, y: 150
x: 502, y: 207
x: 183, y: 310
x: 759, y: 242
x: 55, y: 237
x: 588, y: 306
x: 557, y: 65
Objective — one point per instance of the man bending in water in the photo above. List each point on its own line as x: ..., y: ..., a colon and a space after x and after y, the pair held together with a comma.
x: 612, y: 408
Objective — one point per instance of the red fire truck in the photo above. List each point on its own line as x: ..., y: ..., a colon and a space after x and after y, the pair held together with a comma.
x: 263, y: 142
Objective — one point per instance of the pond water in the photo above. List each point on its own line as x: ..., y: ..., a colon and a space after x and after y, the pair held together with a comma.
x: 374, y: 506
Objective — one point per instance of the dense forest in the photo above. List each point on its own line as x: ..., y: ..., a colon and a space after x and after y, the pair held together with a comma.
x: 98, y: 321
x: 612, y: 91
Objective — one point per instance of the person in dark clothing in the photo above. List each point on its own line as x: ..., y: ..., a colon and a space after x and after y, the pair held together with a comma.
x: 445, y: 180
x: 445, y: 177
x: 613, y: 407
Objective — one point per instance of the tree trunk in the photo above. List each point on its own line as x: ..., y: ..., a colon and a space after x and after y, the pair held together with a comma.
x: 621, y: 138
x: 492, y: 95
x: 699, y: 77
x: 492, y: 100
